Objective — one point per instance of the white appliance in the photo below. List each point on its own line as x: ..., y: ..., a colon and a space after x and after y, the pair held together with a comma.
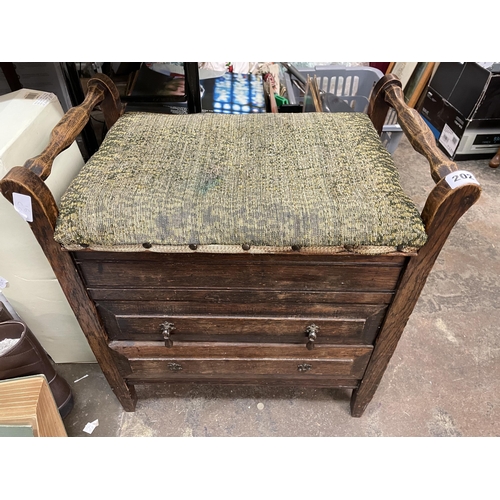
x: 479, y: 142
x: 27, y: 118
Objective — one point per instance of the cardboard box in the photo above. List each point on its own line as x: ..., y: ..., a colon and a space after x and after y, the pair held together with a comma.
x: 43, y: 76
x: 462, y: 108
x: 27, y: 407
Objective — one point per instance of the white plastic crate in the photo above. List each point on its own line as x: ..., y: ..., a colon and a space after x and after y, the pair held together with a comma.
x: 354, y: 86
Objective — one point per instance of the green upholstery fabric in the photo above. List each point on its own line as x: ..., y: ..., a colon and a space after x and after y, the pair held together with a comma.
x: 266, y: 180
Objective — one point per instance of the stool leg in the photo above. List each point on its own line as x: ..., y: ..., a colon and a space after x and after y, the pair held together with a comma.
x: 440, y: 214
x: 114, y: 367
x: 495, y: 161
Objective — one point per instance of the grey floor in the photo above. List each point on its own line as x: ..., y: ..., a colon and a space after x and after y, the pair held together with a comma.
x: 443, y: 379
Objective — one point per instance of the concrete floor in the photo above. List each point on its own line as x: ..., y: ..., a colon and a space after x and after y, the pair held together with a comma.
x: 443, y: 379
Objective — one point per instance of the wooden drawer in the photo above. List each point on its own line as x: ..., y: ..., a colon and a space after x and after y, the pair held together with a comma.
x: 152, y: 361
x: 334, y: 324
x: 248, y: 272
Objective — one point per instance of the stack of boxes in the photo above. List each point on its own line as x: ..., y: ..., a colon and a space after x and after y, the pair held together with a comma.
x: 462, y: 108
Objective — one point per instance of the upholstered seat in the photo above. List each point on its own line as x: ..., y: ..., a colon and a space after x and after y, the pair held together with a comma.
x: 233, y: 183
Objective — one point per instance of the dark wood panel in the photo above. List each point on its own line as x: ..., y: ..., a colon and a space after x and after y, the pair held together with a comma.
x: 238, y: 379
x: 247, y: 274
x: 159, y: 308
x: 227, y: 329
x: 222, y: 296
x: 151, y: 350
x: 243, y: 276
x: 394, y: 259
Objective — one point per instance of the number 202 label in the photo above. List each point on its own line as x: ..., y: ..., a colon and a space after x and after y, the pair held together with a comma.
x: 459, y: 178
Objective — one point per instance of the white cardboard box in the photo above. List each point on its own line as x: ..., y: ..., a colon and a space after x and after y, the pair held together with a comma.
x: 26, y: 121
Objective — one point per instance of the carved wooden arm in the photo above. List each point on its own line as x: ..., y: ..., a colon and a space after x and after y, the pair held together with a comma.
x: 443, y: 198
x: 388, y: 91
x: 101, y: 90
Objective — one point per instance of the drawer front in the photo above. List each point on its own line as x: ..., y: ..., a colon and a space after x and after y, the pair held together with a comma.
x: 160, y: 367
x: 224, y: 329
x: 152, y: 361
x: 350, y: 325
x: 263, y: 272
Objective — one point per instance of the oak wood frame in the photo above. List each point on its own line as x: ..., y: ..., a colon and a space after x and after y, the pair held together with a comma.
x: 443, y: 208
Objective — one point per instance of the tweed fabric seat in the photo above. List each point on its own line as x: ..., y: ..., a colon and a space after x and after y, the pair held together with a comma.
x: 320, y: 182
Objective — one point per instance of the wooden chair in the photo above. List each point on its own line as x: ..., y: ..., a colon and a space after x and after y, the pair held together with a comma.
x: 323, y: 307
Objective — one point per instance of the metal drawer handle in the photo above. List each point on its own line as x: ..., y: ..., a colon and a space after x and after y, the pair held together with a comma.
x: 174, y: 367
x: 166, y: 330
x: 304, y: 367
x: 311, y: 333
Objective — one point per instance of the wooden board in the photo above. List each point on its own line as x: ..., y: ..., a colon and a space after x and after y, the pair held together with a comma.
x: 29, y: 401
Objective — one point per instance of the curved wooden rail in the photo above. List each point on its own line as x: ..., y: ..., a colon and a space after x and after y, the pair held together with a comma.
x: 28, y: 180
x: 101, y: 90
x: 388, y: 91
x: 444, y: 207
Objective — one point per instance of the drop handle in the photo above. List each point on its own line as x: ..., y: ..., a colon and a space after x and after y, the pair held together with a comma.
x: 174, y: 367
x: 312, y: 334
x: 167, y: 330
x: 304, y: 367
